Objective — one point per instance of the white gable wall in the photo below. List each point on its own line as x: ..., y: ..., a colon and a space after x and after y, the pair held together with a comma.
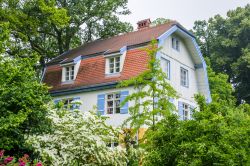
x: 177, y: 60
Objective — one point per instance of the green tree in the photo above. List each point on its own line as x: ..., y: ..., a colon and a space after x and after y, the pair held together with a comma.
x: 22, y: 103
x: 50, y: 28
x: 221, y: 90
x: 153, y: 93
x: 226, y: 42
x: 218, y: 134
x: 211, y: 138
x: 160, y: 21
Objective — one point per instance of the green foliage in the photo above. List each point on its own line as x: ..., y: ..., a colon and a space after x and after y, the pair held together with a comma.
x: 226, y: 42
x: 22, y: 103
x: 78, y: 138
x: 218, y: 135
x: 221, y: 90
x: 153, y: 93
x: 160, y: 21
x: 50, y: 28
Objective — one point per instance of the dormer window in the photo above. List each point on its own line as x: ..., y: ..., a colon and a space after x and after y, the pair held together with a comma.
x: 69, y: 73
x: 175, y: 44
x: 114, y: 64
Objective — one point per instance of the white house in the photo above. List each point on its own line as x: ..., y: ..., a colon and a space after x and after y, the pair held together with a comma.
x: 91, y: 72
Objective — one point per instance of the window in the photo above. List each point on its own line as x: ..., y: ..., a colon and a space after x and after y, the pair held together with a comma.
x: 67, y: 103
x: 114, y: 65
x: 184, y: 77
x: 166, y: 67
x: 186, y: 111
x: 112, y: 144
x: 69, y: 73
x: 113, y: 103
x: 175, y: 44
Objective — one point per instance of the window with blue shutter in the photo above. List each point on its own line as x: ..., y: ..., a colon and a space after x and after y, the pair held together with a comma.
x: 180, y: 110
x: 100, y: 104
x: 124, y: 108
x: 76, y: 106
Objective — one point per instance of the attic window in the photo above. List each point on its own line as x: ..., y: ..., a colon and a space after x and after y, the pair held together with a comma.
x: 175, y: 44
x: 69, y: 73
x: 114, y: 64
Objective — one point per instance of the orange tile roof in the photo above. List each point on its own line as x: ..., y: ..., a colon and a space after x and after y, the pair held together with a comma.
x: 92, y: 69
x: 115, y: 43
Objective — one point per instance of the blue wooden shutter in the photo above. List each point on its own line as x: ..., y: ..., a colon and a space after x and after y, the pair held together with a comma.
x: 100, y: 104
x: 124, y: 108
x: 191, y: 111
x: 76, y: 106
x: 180, y: 109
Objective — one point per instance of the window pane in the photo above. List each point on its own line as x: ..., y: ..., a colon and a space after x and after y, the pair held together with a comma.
x: 177, y: 45
x: 117, y: 110
x: 117, y: 59
x: 110, y: 96
x: 111, y: 65
x: 110, y: 111
x: 117, y: 95
x: 111, y: 60
x: 184, y: 77
x: 173, y: 42
x: 117, y: 69
x: 110, y: 104
x: 117, y: 103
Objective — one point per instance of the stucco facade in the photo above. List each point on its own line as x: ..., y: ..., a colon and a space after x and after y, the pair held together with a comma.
x: 187, y: 56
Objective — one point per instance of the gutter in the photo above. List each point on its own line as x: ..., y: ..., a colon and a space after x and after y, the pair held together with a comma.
x: 88, y: 88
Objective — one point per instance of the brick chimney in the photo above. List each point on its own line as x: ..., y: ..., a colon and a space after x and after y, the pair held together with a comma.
x: 143, y: 24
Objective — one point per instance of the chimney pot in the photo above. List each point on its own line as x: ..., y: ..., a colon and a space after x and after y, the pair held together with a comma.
x: 143, y: 24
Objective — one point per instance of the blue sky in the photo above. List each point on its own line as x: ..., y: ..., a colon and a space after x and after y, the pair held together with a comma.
x: 184, y: 11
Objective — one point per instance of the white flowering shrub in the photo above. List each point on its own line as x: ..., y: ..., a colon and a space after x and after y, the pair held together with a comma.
x: 78, y: 138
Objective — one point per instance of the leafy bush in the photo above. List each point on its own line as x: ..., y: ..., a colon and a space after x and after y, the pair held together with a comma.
x: 12, y: 161
x: 22, y: 104
x: 78, y: 138
x: 218, y: 135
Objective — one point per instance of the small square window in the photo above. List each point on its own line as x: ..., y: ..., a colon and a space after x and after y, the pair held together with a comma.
x: 184, y: 77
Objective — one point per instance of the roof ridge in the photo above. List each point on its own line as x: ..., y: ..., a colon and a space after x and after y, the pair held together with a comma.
x: 148, y: 28
x: 116, y: 37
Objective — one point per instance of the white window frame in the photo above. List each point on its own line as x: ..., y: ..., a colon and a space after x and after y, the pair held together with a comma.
x: 116, y: 64
x: 67, y: 103
x: 166, y: 67
x: 113, y: 100
x: 175, y: 44
x: 184, y: 80
x: 69, y: 73
x: 186, y: 111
